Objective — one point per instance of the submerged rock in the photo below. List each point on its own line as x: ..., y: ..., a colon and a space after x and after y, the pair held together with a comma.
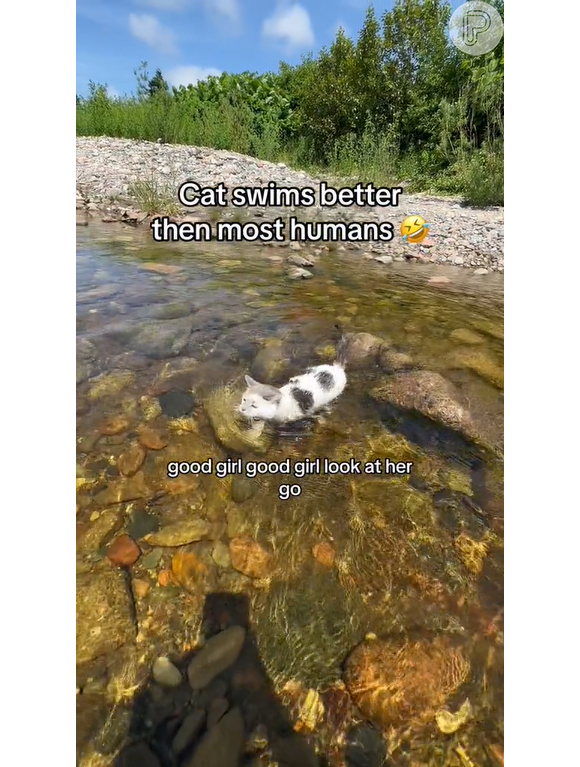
x: 397, y: 682
x: 362, y: 349
x: 429, y: 394
x: 104, y: 612
x: 180, y: 533
x: 111, y: 383
x: 165, y: 673
x: 218, y: 654
x: 176, y: 403
x: 222, y: 745
x: 232, y: 432
x: 162, y: 338
x: 479, y: 363
x: 270, y: 362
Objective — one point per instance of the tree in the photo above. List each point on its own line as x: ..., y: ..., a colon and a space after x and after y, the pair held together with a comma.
x: 157, y: 84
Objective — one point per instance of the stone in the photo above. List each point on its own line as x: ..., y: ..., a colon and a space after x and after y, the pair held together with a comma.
x: 176, y: 403
x: 222, y: 745
x: 439, y: 280
x: 481, y: 271
x: 188, y: 732
x: 243, y: 488
x: 180, y: 533
x: 298, y: 273
x: 384, y: 259
x: 324, y: 553
x: 466, y: 336
x: 221, y: 555
x: 217, y: 708
x: 131, y: 460
x: 104, y: 616
x: 137, y: 755
x: 188, y: 570
x: 249, y: 557
x: 111, y: 383
x: 162, y: 338
x: 116, y: 424
x: 150, y: 560
x: 391, y: 361
x: 362, y: 349
x: 141, y: 587
x: 297, y: 260
x: 103, y: 528
x: 219, y: 653
x: 123, y: 551
x: 166, y: 673
x: 127, y: 489
x: 152, y: 439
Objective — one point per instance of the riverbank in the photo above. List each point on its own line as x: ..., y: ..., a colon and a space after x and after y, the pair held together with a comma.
x: 120, y: 180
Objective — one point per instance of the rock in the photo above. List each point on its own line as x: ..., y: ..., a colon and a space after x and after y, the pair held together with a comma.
x: 466, y: 336
x: 116, y: 424
x: 297, y: 273
x: 439, y: 280
x: 111, y: 383
x: 232, y: 432
x: 249, y: 558
x: 152, y: 439
x: 237, y: 524
x: 172, y: 311
x: 131, y: 460
x: 105, y: 526
x: 428, y: 393
x: 481, y: 271
x: 391, y: 361
x: 130, y: 361
x: 188, y: 732
x: 324, y: 553
x: 141, y: 587
x: 84, y: 371
x: 362, y: 349
x: 297, y: 260
x: 97, y: 294
x: 180, y: 533
x: 165, y: 673
x: 130, y: 489
x: 221, y: 555
x: 104, y: 616
x: 243, y: 488
x: 384, y: 259
x: 449, y: 723
x: 137, y: 755
x: 162, y: 338
x: 222, y: 745
x: 219, y: 653
x: 293, y: 751
x: 151, y: 559
x: 365, y: 747
x: 479, y: 363
x: 217, y: 708
x: 176, y: 403
x: 269, y: 363
x: 396, y: 682
x: 123, y: 551
x: 188, y: 570
x: 141, y: 523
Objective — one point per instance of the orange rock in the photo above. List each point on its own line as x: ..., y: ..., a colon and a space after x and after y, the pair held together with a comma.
x: 152, y: 439
x: 439, y: 280
x: 141, y: 587
x: 164, y: 578
x: 324, y: 553
x: 123, y: 551
x: 116, y: 424
x: 185, y: 483
x: 249, y: 558
x: 187, y: 569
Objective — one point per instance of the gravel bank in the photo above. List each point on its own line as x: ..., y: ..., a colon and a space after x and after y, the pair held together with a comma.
x: 107, y: 167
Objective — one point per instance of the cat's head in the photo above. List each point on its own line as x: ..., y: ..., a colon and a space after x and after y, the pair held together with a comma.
x: 259, y: 400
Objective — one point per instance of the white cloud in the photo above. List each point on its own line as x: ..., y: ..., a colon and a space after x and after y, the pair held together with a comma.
x: 190, y: 75
x: 226, y: 10
x: 112, y: 93
x: 291, y: 24
x: 148, y: 29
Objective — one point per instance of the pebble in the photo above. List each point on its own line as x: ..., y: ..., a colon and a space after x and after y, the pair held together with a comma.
x: 106, y: 167
x: 222, y: 745
x: 180, y: 533
x: 176, y: 403
x: 165, y: 673
x: 152, y: 559
x: 216, y: 655
x: 152, y: 439
x: 221, y: 555
x: 188, y: 731
x: 249, y: 558
x: 123, y: 551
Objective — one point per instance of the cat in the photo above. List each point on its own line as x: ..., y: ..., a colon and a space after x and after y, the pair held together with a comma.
x: 302, y: 397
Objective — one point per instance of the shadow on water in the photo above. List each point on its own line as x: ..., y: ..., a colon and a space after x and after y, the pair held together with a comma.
x: 181, y: 727
x: 161, y: 332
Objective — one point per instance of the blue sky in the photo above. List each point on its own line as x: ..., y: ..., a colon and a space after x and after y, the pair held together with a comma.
x: 191, y: 39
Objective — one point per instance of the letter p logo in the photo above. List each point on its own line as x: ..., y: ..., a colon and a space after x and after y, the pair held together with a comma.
x: 475, y: 28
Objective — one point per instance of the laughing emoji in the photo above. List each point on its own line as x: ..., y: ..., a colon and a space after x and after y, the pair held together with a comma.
x: 414, y: 229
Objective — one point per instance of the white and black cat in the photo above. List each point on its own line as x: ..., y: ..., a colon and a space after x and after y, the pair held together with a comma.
x: 302, y: 397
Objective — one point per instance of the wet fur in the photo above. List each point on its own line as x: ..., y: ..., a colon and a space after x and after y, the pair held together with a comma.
x: 302, y: 397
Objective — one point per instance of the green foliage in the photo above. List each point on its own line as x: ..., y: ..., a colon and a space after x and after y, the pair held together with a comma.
x: 399, y: 103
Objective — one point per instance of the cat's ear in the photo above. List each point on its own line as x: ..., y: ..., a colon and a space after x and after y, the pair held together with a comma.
x: 251, y: 382
x: 270, y: 393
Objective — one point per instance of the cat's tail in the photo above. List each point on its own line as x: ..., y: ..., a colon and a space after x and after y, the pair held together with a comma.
x: 341, y: 348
